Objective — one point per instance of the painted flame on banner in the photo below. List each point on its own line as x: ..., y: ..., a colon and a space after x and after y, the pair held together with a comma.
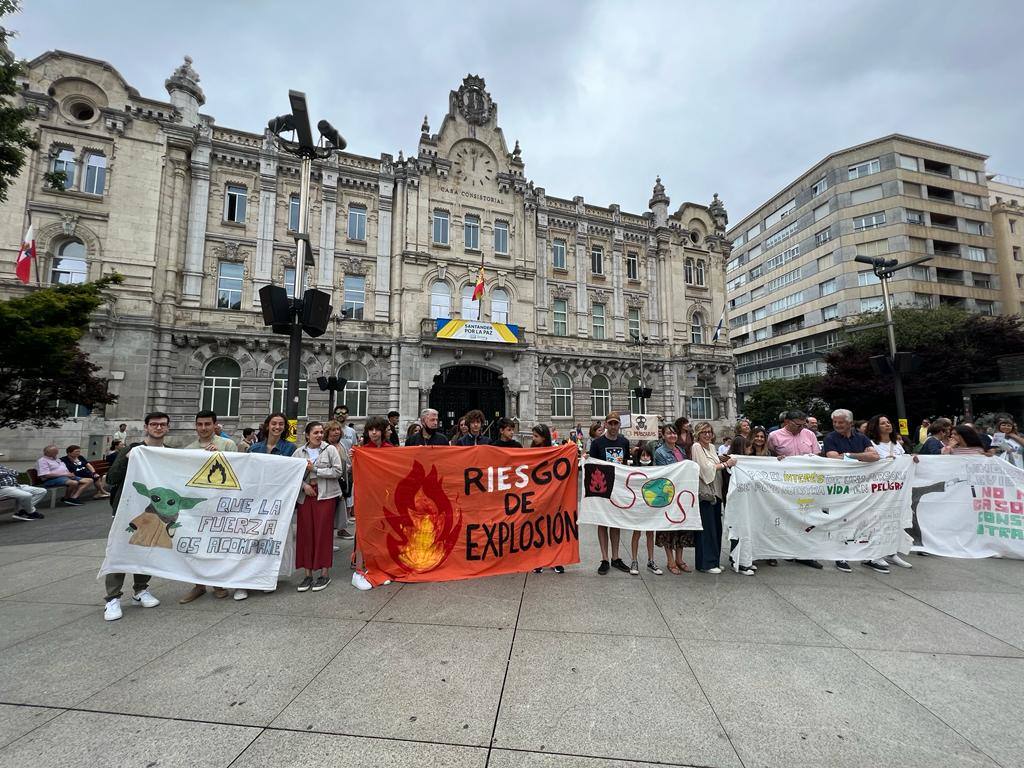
x: 424, y: 526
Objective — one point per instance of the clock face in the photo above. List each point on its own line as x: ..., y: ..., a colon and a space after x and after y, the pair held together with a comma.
x: 473, y: 166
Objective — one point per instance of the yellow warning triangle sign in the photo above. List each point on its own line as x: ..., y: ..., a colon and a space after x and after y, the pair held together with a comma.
x: 216, y: 473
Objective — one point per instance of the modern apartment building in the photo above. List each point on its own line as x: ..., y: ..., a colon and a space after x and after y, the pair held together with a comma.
x: 1006, y: 201
x: 792, y: 280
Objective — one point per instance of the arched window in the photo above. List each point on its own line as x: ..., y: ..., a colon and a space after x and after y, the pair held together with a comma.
x: 700, y: 272
x: 701, y: 403
x: 440, y: 300
x: 277, y: 398
x: 222, y: 384
x: 636, y: 405
x: 470, y: 308
x: 697, y: 329
x: 356, y: 391
x: 600, y: 396
x: 688, y: 271
x: 69, y: 265
x: 561, y: 396
x: 499, y: 305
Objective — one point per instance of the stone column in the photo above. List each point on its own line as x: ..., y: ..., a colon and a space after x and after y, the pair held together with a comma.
x: 385, y: 203
x: 328, y: 229
x: 263, y: 263
x: 198, y: 211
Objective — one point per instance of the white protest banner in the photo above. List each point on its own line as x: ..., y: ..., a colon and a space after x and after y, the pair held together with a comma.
x: 640, y: 498
x: 969, y: 506
x: 205, y: 518
x: 640, y: 427
x: 807, y: 507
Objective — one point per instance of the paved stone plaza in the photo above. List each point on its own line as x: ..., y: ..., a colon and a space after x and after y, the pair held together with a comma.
x: 790, y: 668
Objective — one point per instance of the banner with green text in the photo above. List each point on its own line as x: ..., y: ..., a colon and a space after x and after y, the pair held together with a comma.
x: 807, y: 507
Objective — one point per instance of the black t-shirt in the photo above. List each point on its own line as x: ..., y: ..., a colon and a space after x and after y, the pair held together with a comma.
x: 855, y: 443
x: 606, y: 449
x: 421, y: 438
x: 499, y: 443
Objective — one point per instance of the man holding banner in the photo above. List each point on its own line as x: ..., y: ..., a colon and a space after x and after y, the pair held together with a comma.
x: 155, y: 427
x: 845, y: 442
x: 612, y: 447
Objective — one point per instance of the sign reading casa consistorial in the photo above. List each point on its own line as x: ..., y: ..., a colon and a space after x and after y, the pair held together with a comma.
x: 199, y: 216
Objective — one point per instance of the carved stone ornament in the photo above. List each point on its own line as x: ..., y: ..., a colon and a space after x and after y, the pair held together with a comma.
x: 230, y: 251
x: 442, y: 271
x: 354, y: 266
x: 69, y: 221
x: 601, y: 297
x: 561, y: 292
x: 474, y: 102
x: 634, y: 301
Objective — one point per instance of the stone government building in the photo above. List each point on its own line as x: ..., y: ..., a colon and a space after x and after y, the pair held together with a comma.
x: 198, y: 217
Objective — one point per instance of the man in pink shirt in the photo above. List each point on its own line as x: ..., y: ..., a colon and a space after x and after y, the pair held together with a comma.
x: 794, y: 439
x: 53, y: 473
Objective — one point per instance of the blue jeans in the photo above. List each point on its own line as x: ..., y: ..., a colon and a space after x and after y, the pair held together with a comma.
x: 708, y: 544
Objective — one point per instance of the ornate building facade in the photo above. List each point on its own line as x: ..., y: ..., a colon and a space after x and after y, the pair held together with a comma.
x: 197, y: 217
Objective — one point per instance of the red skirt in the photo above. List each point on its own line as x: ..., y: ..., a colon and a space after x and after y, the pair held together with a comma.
x: 314, y: 533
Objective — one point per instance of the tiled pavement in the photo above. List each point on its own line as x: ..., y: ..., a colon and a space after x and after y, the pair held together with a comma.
x: 792, y: 667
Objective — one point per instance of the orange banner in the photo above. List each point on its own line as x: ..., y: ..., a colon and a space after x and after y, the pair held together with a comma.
x: 435, y: 513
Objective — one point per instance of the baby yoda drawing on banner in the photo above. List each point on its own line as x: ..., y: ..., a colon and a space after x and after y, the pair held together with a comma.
x: 155, y: 526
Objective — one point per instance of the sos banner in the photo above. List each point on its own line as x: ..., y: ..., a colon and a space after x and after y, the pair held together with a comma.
x: 435, y: 513
x: 641, y: 498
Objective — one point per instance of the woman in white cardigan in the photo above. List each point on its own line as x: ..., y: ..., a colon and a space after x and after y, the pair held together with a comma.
x: 709, y: 540
x: 321, y: 487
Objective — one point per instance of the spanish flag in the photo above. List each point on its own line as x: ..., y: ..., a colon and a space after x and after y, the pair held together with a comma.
x: 478, y: 291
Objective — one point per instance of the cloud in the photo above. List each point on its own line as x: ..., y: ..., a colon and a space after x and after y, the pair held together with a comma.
x: 736, y: 98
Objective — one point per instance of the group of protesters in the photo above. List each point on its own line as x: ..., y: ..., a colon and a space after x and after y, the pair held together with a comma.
x: 325, y: 507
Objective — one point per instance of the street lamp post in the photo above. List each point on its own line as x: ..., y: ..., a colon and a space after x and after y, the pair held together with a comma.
x: 305, y: 311
x: 884, y: 269
x: 643, y: 392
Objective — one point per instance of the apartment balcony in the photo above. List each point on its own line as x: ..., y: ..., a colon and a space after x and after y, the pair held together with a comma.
x: 944, y: 221
x: 941, y: 194
x: 938, y: 169
x: 949, y: 277
x: 945, y: 248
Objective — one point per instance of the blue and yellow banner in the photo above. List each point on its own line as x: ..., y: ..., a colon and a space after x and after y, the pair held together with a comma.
x: 472, y: 330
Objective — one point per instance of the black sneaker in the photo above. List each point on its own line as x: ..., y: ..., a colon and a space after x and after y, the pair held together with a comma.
x: 36, y: 515
x: 842, y: 565
x: 602, y: 569
x: 20, y: 515
x: 538, y: 570
x: 559, y: 569
x: 305, y: 584
x: 71, y: 502
x: 321, y: 583
x: 878, y: 566
x: 618, y: 565
x: 772, y: 562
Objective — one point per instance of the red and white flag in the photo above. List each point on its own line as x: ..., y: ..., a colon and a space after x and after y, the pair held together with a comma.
x: 26, y: 255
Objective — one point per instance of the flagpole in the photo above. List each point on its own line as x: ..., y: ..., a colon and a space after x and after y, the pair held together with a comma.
x: 480, y: 301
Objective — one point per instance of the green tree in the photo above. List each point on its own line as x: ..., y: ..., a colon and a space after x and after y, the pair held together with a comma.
x: 769, y: 398
x: 15, y: 138
x: 952, y: 348
x: 40, y: 360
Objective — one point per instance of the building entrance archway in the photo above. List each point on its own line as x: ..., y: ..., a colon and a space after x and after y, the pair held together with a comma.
x: 461, y: 388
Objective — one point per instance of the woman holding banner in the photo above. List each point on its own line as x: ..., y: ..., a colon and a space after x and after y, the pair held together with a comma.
x: 314, y: 539
x: 709, y: 540
x: 880, y: 432
x: 273, y: 442
x: 1008, y: 442
x: 333, y: 432
x: 541, y: 438
x: 673, y: 542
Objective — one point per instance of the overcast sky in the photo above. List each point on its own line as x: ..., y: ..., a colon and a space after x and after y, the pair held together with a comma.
x: 737, y: 98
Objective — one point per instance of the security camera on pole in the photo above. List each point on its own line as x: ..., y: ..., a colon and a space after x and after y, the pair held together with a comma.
x: 310, y: 310
x: 897, y: 363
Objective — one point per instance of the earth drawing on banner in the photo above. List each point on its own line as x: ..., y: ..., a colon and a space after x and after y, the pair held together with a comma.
x: 658, y: 492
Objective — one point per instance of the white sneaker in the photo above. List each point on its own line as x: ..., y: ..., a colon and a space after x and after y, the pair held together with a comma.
x: 897, y: 560
x: 359, y: 582
x: 241, y: 594
x: 113, y: 610
x: 146, y: 598
x: 716, y: 569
